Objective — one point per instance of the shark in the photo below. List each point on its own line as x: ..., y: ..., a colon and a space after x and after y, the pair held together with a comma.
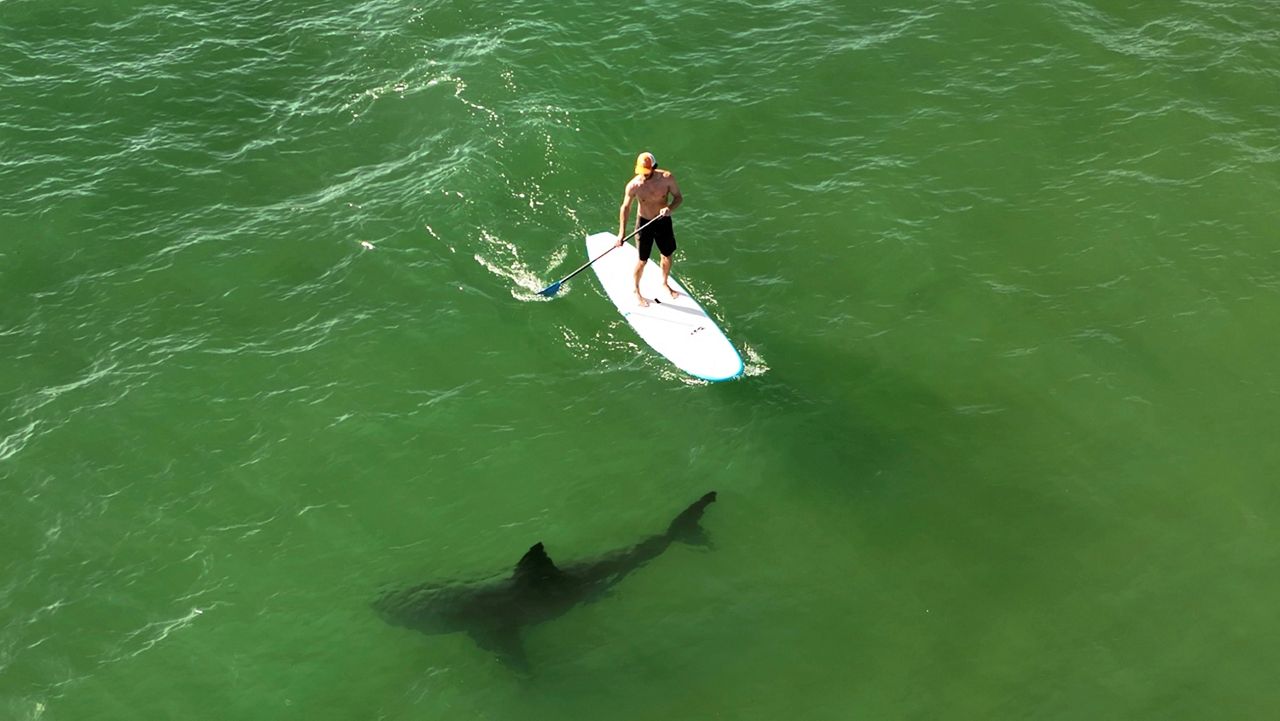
x: 494, y: 611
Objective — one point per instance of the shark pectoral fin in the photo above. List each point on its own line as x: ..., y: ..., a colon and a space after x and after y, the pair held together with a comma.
x: 536, y: 565
x: 503, y: 642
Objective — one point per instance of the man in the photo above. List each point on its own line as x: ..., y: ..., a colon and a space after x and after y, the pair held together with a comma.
x: 658, y: 195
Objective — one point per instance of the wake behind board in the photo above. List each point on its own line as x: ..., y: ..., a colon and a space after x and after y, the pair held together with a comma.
x: 678, y: 328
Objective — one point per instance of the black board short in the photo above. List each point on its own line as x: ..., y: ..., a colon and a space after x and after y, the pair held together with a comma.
x: 659, y: 231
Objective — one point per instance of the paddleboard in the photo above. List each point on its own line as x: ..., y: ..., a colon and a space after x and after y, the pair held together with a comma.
x: 678, y: 328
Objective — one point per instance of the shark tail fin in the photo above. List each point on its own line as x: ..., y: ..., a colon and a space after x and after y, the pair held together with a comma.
x: 685, y: 527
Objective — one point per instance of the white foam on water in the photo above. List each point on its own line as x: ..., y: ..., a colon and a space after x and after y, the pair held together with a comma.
x: 508, y: 264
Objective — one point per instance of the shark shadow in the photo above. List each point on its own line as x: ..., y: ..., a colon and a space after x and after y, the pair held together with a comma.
x: 494, y: 611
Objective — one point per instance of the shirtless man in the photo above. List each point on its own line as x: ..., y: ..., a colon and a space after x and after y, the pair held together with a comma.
x: 658, y: 194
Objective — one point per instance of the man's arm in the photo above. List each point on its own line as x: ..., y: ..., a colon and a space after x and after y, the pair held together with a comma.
x: 676, y: 197
x: 628, y: 197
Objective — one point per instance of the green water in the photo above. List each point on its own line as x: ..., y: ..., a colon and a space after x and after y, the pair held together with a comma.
x: 1006, y: 277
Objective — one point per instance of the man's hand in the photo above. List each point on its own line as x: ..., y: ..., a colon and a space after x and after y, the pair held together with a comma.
x: 664, y: 212
x: 619, y: 243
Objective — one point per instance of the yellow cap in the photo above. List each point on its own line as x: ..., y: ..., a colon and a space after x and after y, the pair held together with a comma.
x: 645, y: 162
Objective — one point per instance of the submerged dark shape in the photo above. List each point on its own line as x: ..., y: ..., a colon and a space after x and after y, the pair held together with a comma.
x: 494, y: 611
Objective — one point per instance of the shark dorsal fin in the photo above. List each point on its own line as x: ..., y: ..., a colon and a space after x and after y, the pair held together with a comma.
x: 536, y: 565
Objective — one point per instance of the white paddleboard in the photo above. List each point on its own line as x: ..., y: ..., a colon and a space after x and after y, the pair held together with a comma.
x: 678, y: 328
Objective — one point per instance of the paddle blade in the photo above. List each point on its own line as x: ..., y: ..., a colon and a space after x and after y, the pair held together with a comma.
x: 550, y: 290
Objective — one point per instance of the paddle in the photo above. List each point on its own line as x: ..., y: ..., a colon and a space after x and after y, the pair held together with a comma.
x: 555, y: 287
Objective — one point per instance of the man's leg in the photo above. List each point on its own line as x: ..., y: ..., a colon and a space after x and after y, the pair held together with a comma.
x: 666, y: 271
x: 639, y: 272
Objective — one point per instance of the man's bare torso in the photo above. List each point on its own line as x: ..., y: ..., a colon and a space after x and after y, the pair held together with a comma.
x: 652, y: 193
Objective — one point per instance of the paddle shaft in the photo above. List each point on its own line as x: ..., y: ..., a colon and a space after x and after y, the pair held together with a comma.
x: 587, y: 264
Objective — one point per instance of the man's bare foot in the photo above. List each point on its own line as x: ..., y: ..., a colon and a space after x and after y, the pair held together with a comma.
x: 640, y: 299
x: 672, y: 291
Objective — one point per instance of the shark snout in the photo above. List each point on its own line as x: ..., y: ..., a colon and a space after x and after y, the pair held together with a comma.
x: 414, y: 609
